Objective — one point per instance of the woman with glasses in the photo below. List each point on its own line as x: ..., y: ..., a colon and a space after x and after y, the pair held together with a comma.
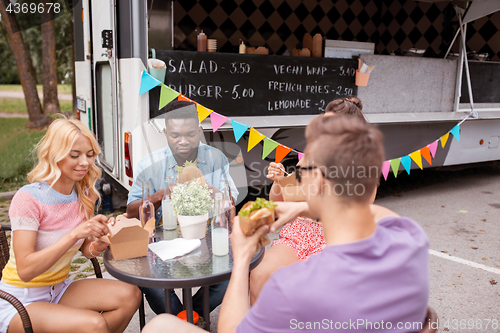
x: 303, y: 236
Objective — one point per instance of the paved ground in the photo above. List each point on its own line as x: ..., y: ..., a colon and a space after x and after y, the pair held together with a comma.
x: 460, y: 212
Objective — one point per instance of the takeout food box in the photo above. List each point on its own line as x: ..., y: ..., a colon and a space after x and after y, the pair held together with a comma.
x: 128, y: 238
x: 291, y: 190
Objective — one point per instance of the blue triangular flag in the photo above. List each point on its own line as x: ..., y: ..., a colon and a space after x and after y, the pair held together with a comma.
x: 148, y: 82
x: 239, y: 129
x: 406, y: 161
x: 456, y: 132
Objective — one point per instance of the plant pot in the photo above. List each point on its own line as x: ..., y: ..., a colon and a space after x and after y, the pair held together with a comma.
x: 193, y: 227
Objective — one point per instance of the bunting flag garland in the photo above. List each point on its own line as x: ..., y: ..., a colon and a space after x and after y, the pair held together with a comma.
x: 168, y: 94
x: 433, y: 147
x: 181, y: 97
x: 455, y: 131
x: 395, y: 166
x: 443, y: 139
x: 217, y: 120
x: 417, y: 158
x: 281, y: 152
x: 426, y: 153
x: 148, y: 82
x: 406, y: 161
x: 238, y: 129
x: 254, y: 138
x: 269, y: 146
x: 386, y: 166
x: 203, y: 112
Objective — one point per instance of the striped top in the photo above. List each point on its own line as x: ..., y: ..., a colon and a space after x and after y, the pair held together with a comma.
x: 39, y: 208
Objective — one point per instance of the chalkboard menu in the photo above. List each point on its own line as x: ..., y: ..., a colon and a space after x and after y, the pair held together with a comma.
x: 256, y: 85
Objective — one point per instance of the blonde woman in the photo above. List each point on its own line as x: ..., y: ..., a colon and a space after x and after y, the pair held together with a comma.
x: 52, y: 218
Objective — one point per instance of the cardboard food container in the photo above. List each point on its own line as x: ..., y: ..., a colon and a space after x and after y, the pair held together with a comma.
x: 128, y: 238
x: 291, y: 190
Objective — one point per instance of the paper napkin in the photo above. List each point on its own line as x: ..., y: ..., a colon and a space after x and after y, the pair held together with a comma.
x: 168, y: 249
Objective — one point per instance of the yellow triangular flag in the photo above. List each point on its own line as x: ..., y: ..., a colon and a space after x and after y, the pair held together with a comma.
x: 203, y: 112
x: 417, y: 158
x: 254, y: 138
x: 444, y: 138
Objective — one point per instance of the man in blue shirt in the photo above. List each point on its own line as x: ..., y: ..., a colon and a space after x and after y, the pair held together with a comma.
x: 183, y: 134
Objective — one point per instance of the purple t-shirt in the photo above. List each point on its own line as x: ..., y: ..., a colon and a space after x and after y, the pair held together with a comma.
x: 378, y: 284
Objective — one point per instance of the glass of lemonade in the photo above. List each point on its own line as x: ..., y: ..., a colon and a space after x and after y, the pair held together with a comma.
x: 220, y: 231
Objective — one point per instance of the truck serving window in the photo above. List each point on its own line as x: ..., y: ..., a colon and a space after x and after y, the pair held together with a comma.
x: 105, y: 119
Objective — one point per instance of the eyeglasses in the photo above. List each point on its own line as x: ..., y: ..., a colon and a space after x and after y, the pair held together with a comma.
x: 298, y: 172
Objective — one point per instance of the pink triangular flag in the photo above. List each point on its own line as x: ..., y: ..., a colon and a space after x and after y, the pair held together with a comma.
x: 386, y: 166
x: 300, y: 155
x: 433, y: 147
x: 217, y: 120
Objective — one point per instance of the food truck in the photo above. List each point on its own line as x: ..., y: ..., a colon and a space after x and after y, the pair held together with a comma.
x: 434, y: 81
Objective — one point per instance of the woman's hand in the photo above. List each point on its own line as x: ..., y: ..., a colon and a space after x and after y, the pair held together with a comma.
x: 95, y: 227
x: 244, y: 247
x: 275, y: 171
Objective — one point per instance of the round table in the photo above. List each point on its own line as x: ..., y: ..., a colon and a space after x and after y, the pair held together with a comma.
x: 197, y: 268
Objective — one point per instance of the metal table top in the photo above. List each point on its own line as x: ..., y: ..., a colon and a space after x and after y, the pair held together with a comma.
x: 197, y: 268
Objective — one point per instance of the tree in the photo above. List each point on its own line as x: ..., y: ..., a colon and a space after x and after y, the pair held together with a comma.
x: 25, y: 68
x: 50, y: 100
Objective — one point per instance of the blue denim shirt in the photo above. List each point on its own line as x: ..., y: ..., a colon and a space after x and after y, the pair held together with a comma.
x: 161, y: 163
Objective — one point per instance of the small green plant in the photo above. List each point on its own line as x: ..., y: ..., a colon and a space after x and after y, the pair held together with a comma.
x: 191, y: 199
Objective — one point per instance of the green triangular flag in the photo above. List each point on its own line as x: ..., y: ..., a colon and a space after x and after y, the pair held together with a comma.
x: 395, y: 166
x: 167, y: 95
x: 269, y: 146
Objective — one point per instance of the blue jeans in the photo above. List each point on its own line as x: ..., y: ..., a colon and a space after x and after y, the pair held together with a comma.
x: 156, y: 299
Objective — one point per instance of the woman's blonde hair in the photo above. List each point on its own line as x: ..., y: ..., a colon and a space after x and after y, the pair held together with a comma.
x: 55, y: 146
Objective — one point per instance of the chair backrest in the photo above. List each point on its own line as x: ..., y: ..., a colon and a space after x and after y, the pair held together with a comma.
x: 431, y: 322
x: 4, y: 248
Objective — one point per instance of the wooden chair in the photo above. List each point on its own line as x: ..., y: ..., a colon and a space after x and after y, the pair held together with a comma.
x: 4, y: 258
x: 431, y: 318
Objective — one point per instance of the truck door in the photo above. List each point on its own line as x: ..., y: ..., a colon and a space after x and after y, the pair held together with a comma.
x: 105, y: 78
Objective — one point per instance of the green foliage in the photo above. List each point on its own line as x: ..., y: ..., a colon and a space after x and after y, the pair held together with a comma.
x: 8, y: 69
x: 16, y: 152
x: 33, y: 43
x: 191, y: 199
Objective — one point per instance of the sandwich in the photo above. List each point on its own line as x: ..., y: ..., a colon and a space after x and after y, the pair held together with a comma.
x: 255, y: 214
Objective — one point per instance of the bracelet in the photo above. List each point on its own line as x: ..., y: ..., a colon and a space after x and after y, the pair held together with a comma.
x: 90, y: 250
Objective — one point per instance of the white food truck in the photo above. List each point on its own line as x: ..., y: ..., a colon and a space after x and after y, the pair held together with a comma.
x: 413, y: 98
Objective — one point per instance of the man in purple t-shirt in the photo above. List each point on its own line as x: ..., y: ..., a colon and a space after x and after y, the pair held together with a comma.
x: 371, y: 277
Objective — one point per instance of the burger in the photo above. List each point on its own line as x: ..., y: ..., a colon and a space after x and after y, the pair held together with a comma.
x: 255, y: 214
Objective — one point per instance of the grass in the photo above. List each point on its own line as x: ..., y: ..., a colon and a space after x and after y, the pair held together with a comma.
x: 18, y: 105
x: 16, y: 157
x: 61, y: 88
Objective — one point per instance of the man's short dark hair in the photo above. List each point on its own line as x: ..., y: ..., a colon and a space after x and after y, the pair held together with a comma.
x: 180, y: 110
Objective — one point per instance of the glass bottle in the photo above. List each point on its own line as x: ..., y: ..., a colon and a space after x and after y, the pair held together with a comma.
x: 219, y: 226
x: 147, y: 210
x: 169, y: 216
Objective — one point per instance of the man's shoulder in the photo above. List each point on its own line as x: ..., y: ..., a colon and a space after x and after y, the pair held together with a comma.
x: 403, y: 224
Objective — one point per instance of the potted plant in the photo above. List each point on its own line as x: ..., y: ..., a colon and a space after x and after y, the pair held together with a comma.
x: 192, y: 203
